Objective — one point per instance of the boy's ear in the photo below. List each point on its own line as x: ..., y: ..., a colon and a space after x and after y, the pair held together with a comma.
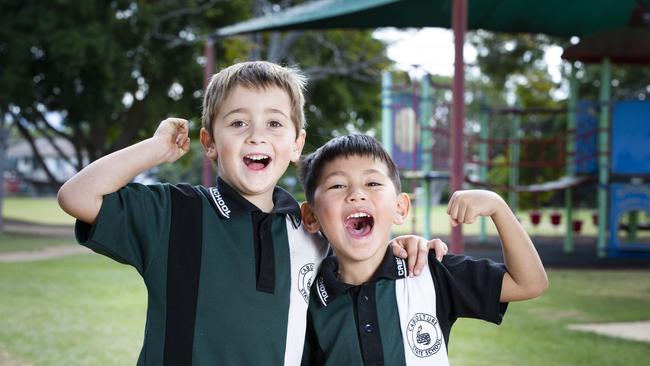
x: 298, y: 145
x: 309, y: 219
x: 208, y: 144
x: 402, y: 209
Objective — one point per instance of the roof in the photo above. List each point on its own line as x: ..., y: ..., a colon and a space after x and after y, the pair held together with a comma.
x: 23, y: 149
x: 553, y: 17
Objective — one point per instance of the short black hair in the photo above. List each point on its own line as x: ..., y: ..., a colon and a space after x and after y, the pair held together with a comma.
x: 312, y: 165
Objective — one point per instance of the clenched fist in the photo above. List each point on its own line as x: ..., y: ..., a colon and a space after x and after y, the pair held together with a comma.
x: 465, y: 206
x: 173, y: 133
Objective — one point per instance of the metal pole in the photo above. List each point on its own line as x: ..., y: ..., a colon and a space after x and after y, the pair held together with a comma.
x: 3, y: 147
x: 603, y: 157
x: 484, y: 159
x: 459, y: 24
x: 570, y: 159
x: 386, y: 113
x: 425, y: 127
x: 513, y: 196
x: 209, y: 52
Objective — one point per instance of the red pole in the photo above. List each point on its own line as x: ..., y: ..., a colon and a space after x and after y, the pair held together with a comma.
x: 459, y: 24
x: 209, y: 52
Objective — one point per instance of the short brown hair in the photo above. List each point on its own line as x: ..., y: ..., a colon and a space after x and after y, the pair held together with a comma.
x: 255, y: 75
x: 344, y: 146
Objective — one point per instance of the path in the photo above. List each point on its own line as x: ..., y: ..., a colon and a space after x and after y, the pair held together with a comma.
x: 24, y: 227
x: 57, y: 231
x: 43, y: 254
x: 635, y: 331
x: 8, y: 360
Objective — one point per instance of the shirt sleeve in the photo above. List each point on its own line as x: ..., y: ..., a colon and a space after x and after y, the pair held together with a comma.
x: 470, y: 288
x: 131, y: 224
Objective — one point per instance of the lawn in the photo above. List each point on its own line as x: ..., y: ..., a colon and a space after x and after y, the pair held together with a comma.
x: 440, y: 223
x: 81, y: 310
x: 47, y: 211
x: 40, y: 210
x: 19, y: 242
x: 87, y: 310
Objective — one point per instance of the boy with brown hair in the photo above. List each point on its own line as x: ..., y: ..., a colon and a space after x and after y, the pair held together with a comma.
x: 364, y: 309
x: 227, y: 268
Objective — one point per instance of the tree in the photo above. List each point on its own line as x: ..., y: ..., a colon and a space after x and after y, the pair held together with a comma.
x: 344, y: 71
x: 110, y: 70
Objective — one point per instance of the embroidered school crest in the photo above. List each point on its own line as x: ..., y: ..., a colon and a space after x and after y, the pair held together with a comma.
x: 305, y: 277
x: 423, y: 335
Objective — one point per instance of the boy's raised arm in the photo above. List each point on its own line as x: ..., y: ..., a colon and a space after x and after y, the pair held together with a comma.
x: 81, y: 196
x: 526, y: 277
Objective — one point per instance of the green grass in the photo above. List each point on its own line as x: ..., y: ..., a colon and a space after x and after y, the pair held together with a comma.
x: 20, y: 242
x: 81, y: 310
x: 535, y: 333
x: 47, y: 211
x: 39, y: 210
x: 87, y: 310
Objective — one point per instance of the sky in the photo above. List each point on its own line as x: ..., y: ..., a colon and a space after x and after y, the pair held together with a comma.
x: 433, y: 50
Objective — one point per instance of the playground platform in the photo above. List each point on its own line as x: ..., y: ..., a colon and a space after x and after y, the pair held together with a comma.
x: 551, y: 251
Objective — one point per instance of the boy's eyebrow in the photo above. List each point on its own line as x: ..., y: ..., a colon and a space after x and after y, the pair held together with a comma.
x: 274, y: 110
x: 342, y: 173
x: 236, y: 110
x: 244, y: 110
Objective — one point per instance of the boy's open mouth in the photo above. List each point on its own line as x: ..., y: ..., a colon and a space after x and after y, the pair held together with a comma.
x: 359, y: 224
x: 257, y: 161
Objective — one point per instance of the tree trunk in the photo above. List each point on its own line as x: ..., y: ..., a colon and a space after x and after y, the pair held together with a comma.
x: 3, y: 149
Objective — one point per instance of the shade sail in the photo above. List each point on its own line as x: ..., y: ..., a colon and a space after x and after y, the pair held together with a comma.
x: 621, y: 46
x: 553, y: 17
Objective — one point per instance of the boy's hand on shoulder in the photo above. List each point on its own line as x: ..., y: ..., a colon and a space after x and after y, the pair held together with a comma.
x: 416, y: 251
x: 467, y: 205
x: 173, y: 134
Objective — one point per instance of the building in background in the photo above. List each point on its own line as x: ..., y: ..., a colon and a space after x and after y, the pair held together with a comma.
x: 23, y: 174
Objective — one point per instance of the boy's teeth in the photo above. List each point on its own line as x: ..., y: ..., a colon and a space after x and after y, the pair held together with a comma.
x: 357, y: 215
x: 256, y: 157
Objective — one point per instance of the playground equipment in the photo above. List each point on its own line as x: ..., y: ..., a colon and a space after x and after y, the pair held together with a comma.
x: 624, y: 152
x: 407, y: 135
x: 416, y: 132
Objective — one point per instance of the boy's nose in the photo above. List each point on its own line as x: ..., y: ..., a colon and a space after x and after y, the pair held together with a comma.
x: 256, y: 135
x: 356, y: 195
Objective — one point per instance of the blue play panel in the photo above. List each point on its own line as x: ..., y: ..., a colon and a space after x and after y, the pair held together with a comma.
x: 630, y: 138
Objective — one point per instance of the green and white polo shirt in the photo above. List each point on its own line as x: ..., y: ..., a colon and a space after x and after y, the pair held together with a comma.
x: 396, y: 320
x: 227, y: 283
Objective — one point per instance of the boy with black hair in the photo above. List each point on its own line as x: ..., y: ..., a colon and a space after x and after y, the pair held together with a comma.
x: 364, y: 309
x: 227, y: 268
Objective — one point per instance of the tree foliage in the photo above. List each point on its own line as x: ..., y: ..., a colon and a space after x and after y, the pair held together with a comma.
x: 106, y: 68
x: 112, y: 70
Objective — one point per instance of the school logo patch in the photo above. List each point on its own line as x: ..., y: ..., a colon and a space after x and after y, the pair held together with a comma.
x: 423, y: 335
x: 305, y: 276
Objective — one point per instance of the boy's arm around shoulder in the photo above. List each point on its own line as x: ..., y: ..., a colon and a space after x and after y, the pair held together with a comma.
x: 526, y: 277
x: 81, y: 196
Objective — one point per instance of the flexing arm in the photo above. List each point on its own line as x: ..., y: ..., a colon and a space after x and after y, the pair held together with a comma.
x: 81, y: 196
x: 526, y: 277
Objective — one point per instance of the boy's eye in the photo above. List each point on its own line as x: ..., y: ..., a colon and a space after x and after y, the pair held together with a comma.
x: 374, y: 184
x: 275, y: 124
x: 336, y: 186
x: 238, y: 124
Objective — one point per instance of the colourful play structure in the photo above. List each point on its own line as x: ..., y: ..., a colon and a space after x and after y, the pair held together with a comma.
x: 588, y: 151
x: 626, y: 20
